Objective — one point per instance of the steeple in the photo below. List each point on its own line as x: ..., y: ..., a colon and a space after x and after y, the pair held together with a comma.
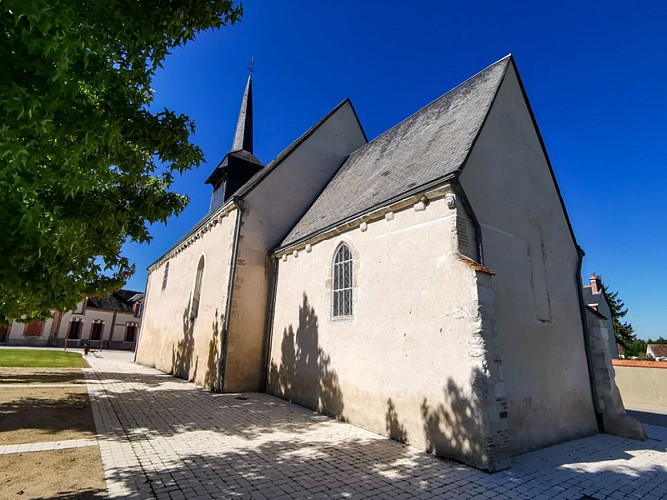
x: 243, y: 135
x: 239, y: 165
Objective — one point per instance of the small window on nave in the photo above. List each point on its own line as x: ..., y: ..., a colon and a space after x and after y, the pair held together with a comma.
x: 165, y: 276
x: 196, y: 293
x: 342, y: 282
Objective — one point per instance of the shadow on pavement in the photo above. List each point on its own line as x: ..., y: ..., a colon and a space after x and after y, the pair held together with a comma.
x: 236, y: 444
x: 648, y: 417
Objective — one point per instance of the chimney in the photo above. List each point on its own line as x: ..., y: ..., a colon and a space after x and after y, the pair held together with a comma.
x: 596, y: 284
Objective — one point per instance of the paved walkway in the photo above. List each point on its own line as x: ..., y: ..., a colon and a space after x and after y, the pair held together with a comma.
x: 161, y: 437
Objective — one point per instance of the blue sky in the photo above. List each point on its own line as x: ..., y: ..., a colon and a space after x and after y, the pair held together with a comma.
x: 595, y: 73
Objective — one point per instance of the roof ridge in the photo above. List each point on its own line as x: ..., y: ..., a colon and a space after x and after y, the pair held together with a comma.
x: 508, y: 57
x: 428, y: 146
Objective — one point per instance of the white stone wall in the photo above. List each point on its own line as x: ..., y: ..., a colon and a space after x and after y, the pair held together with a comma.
x: 527, y: 243
x: 404, y: 364
x: 169, y: 340
x: 270, y: 209
x: 608, y: 398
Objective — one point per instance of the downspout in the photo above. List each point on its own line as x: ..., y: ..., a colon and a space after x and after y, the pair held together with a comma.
x: 460, y: 193
x: 268, y: 337
x: 222, y: 359
x: 584, y: 324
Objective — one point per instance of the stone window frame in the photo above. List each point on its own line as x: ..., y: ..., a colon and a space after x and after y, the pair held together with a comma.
x: 135, y: 330
x: 342, y: 282
x: 165, y: 276
x: 197, y: 288
x: 79, y: 332
x: 93, y: 326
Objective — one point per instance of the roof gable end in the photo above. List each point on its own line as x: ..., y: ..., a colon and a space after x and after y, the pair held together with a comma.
x: 428, y: 146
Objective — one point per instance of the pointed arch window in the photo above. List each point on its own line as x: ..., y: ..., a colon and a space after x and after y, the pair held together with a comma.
x: 165, y: 276
x: 342, y: 282
x: 196, y: 294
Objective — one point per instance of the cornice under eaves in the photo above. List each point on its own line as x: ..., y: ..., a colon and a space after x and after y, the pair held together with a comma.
x: 425, y: 195
x: 197, y: 232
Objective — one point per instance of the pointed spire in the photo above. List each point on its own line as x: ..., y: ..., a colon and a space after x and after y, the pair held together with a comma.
x: 243, y: 135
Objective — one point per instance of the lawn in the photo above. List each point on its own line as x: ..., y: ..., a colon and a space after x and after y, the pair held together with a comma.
x: 41, y: 358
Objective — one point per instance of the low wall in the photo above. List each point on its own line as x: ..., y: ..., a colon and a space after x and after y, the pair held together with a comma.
x: 643, y: 384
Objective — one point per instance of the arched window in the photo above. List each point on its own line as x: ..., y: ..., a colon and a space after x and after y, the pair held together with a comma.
x: 342, y: 282
x: 165, y: 276
x: 196, y: 294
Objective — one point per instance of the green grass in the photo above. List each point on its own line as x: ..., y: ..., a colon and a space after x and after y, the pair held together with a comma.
x: 38, y: 358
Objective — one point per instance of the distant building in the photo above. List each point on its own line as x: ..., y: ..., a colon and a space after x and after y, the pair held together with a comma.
x: 110, y: 322
x: 425, y: 285
x: 596, y: 299
x: 657, y: 351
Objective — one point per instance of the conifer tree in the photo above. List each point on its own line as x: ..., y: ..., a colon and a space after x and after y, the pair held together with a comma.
x: 623, y: 331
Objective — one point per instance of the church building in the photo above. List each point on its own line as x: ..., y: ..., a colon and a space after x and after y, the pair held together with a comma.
x: 424, y: 285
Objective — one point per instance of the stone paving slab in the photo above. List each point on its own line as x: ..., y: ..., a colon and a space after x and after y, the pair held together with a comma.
x: 161, y: 437
x: 8, y: 449
x: 39, y: 386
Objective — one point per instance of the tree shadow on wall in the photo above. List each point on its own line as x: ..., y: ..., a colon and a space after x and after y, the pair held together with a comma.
x: 454, y: 429
x: 211, y: 376
x: 183, y: 352
x: 304, y: 375
x: 184, y: 362
x: 395, y: 430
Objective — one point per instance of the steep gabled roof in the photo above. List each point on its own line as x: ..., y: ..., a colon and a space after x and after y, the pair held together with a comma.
x: 430, y: 145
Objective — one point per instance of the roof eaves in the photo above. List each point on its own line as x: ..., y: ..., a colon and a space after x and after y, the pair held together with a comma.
x: 211, y: 215
x: 596, y: 312
x: 377, y: 206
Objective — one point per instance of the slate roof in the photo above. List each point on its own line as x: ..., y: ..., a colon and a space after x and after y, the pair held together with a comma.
x: 589, y: 296
x: 430, y: 145
x: 115, y: 301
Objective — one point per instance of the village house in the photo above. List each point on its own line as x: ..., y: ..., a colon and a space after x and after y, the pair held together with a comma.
x: 424, y: 285
x: 657, y: 351
x: 596, y: 298
x: 111, y: 322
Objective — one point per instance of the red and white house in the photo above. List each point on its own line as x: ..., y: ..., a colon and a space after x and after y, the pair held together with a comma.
x: 110, y: 322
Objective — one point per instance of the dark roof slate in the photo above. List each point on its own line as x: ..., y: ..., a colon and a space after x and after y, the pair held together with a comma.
x: 115, y: 301
x: 430, y: 145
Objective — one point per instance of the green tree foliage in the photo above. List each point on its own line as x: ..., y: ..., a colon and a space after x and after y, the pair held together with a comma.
x: 636, y: 348
x: 84, y: 164
x: 623, y: 331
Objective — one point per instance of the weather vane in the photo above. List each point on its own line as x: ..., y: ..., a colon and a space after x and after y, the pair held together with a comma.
x: 251, y: 68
